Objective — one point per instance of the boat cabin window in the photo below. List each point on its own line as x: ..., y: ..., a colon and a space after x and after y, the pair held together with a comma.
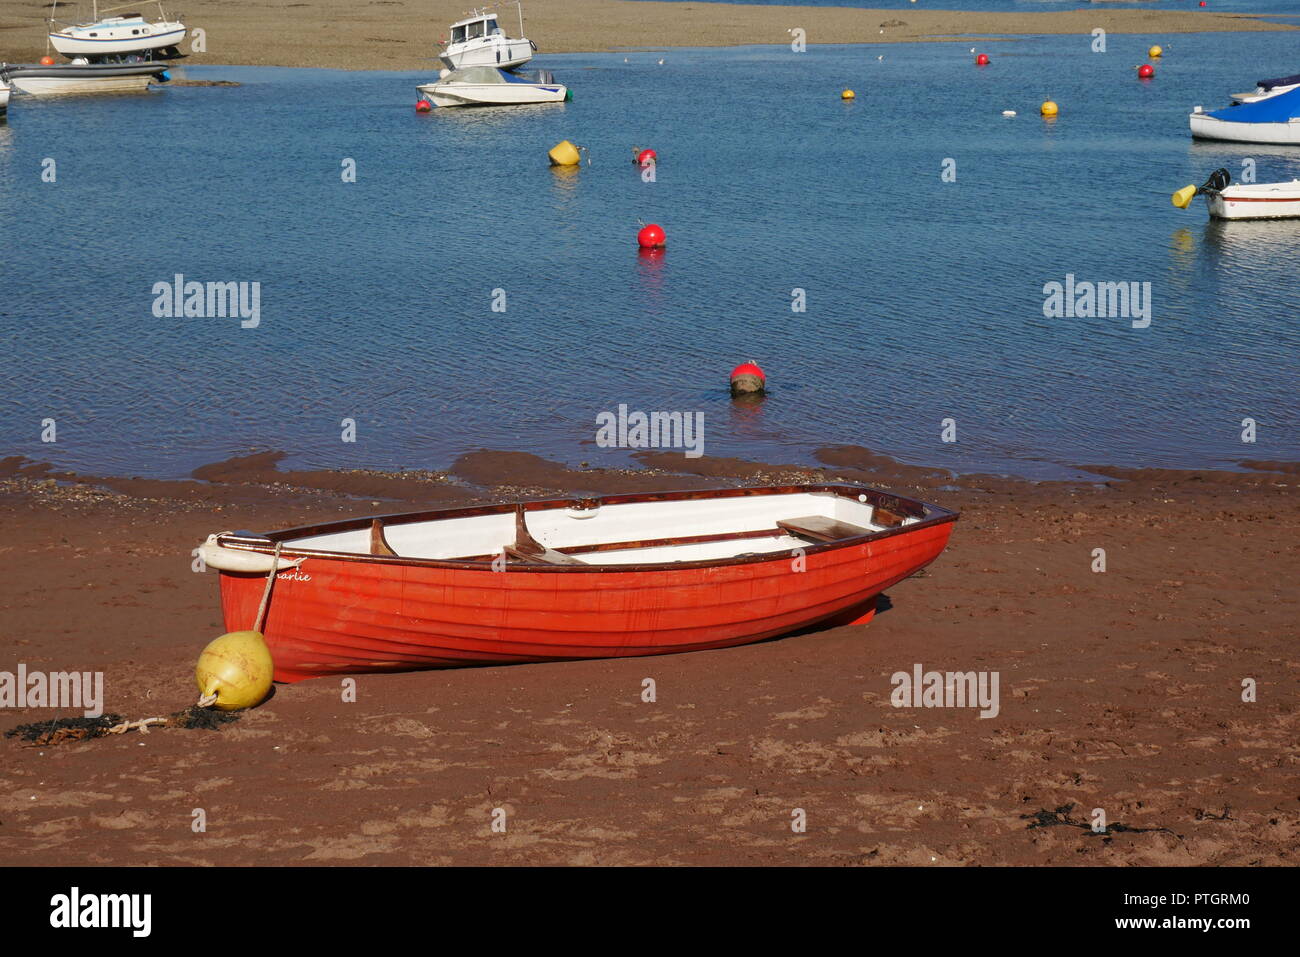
x: 457, y: 34
x: 474, y: 30
x: 492, y: 27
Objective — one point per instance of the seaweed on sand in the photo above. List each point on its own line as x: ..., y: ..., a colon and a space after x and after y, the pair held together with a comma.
x: 1061, y: 817
x: 58, y: 730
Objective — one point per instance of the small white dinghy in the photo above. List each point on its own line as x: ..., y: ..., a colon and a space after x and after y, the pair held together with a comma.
x: 1243, y: 200
x: 116, y: 35
x: 478, y: 40
x: 488, y: 86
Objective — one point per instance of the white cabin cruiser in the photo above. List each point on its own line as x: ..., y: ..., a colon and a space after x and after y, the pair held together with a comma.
x: 488, y: 86
x: 116, y: 35
x: 478, y: 40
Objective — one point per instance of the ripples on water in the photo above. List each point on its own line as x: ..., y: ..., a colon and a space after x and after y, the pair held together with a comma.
x: 924, y: 298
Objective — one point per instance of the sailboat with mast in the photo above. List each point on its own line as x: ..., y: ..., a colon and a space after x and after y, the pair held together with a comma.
x: 111, y: 35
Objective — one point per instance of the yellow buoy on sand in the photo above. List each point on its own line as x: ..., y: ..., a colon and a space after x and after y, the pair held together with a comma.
x: 1048, y: 108
x: 1155, y: 51
x: 1183, y: 198
x: 237, y: 669
x: 847, y: 95
x: 565, y: 154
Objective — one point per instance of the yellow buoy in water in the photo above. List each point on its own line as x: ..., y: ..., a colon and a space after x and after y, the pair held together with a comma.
x: 564, y: 154
x: 1048, y: 108
x: 1155, y: 51
x: 1183, y: 198
x: 236, y: 668
x: 847, y: 95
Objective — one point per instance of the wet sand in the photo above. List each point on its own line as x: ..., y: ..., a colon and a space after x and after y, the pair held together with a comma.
x: 1120, y: 690
x: 402, y: 34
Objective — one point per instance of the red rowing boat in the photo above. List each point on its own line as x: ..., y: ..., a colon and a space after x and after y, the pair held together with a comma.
x: 558, y: 580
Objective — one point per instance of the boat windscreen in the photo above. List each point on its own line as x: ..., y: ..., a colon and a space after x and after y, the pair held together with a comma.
x: 475, y: 74
x: 1280, y: 81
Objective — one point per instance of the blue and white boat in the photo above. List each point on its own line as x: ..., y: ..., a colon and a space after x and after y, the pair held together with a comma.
x: 115, y: 36
x: 1272, y: 120
x: 488, y: 86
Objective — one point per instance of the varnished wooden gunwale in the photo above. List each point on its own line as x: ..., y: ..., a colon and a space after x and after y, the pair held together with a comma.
x: 929, y: 515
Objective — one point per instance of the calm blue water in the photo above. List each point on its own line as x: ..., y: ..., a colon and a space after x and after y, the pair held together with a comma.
x: 924, y: 298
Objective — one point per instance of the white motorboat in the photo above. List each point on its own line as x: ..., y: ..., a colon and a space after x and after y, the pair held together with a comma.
x: 1268, y: 88
x: 1226, y: 200
x: 1255, y: 201
x: 478, y: 40
x: 116, y: 35
x: 488, y: 86
x: 4, y: 96
x: 1275, y: 119
x: 68, y: 78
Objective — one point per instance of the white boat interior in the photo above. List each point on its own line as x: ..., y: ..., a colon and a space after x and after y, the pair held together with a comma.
x: 700, y: 529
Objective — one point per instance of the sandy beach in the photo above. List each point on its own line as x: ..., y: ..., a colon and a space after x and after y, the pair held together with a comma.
x: 1121, y: 690
x: 402, y: 34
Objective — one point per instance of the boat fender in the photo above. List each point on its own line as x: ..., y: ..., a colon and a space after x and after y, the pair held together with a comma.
x: 238, y: 560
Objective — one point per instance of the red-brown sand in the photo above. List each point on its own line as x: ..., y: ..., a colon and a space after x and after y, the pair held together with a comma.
x: 1120, y: 690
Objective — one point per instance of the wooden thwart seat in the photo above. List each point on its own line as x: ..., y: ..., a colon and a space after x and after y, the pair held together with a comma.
x: 378, y: 543
x: 819, y: 528
x: 528, y: 549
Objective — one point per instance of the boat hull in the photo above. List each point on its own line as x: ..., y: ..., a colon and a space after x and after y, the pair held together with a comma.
x: 71, y: 45
x: 63, y: 86
x: 1262, y: 201
x: 491, y: 94
x: 335, y: 614
x: 4, y: 99
x: 505, y: 54
x: 1208, y: 127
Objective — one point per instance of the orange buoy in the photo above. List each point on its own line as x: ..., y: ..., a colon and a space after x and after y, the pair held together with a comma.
x: 47, y: 61
x: 423, y: 106
x: 651, y: 237
x: 1146, y: 71
x: 982, y: 60
x: 748, y: 377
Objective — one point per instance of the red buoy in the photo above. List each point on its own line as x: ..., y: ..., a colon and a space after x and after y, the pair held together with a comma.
x: 651, y: 237
x: 982, y: 60
x: 1146, y: 71
x: 47, y: 61
x: 747, y: 377
x: 646, y: 157
x: 423, y: 106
